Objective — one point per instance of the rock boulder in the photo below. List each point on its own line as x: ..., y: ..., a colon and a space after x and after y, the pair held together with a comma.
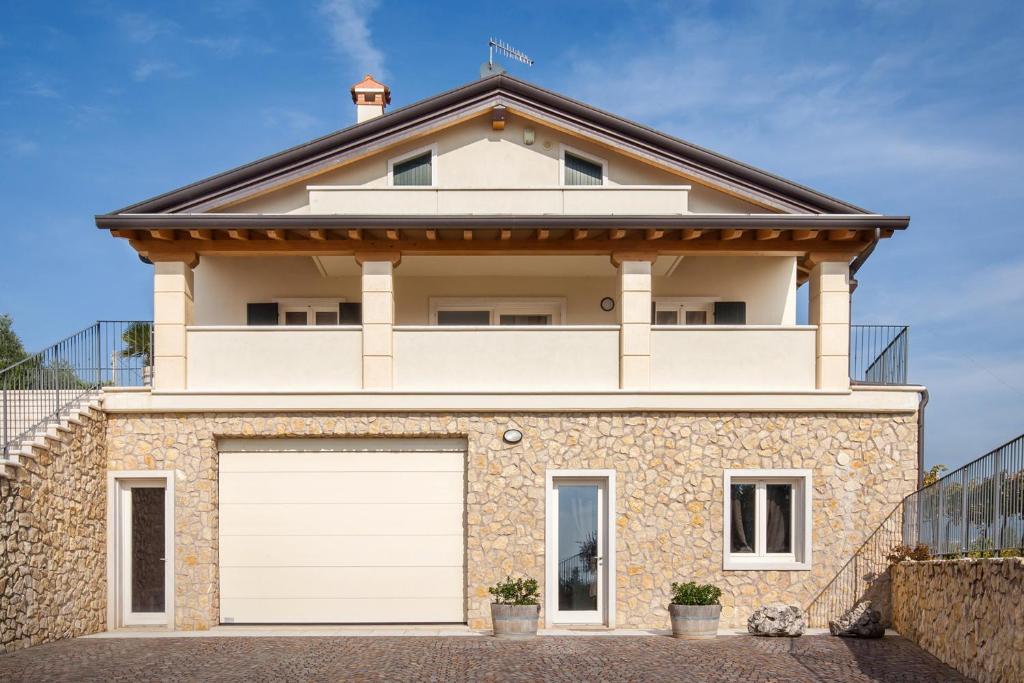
x: 777, y: 620
x: 860, y: 621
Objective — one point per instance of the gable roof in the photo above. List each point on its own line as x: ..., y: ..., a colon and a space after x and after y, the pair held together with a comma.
x: 471, y: 99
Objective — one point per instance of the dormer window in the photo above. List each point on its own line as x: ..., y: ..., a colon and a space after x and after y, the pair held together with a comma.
x: 415, y: 169
x: 581, y: 169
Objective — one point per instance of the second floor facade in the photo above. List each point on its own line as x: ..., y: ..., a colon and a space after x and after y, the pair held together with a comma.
x: 500, y: 238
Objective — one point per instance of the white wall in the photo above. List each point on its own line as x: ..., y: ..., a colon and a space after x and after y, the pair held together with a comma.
x: 224, y: 284
x: 471, y: 154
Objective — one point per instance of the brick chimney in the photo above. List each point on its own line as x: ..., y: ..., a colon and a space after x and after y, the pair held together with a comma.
x: 370, y: 98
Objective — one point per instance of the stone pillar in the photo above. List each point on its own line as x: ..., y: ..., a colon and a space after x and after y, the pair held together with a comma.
x: 829, y: 309
x: 635, y: 320
x: 378, y: 318
x: 172, y: 312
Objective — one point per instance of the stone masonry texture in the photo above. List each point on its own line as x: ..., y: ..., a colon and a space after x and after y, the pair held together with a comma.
x: 668, y: 507
x: 969, y: 613
x: 53, y: 521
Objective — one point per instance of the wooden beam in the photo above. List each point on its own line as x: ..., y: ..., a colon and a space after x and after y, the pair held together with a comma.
x: 202, y: 234
x: 767, y: 234
x: 690, y: 233
x: 431, y: 234
x: 616, y: 234
x: 391, y: 234
x: 354, y: 233
x: 504, y: 235
x: 543, y: 234
x: 126, y: 234
x: 652, y: 234
x: 467, y: 235
x: 841, y: 235
x: 886, y: 233
x: 239, y: 234
x: 166, y: 235
x: 318, y: 235
x: 730, y: 234
x: 600, y: 246
x: 579, y: 233
x: 801, y: 235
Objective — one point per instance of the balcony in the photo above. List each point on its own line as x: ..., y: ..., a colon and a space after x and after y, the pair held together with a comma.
x: 645, y: 200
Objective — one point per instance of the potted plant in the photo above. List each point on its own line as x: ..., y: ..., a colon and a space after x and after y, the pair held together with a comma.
x: 515, y: 608
x: 695, y: 610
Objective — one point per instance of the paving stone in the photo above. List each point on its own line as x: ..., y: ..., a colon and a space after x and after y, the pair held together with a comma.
x: 726, y: 659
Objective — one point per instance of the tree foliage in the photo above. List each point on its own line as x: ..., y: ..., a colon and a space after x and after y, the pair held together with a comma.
x: 11, y: 348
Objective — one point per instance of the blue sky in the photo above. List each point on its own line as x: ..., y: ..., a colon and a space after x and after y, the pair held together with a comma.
x: 902, y: 106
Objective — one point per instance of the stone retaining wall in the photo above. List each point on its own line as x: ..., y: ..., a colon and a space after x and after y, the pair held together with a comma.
x: 968, y: 613
x: 668, y: 508
x: 53, y: 520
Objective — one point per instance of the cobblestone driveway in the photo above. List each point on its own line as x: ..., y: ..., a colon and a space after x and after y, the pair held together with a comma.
x: 727, y: 658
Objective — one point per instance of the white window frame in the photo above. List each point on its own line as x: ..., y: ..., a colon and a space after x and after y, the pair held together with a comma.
x: 562, y: 149
x: 116, y: 547
x: 681, y: 304
x: 311, y: 307
x: 411, y: 155
x: 803, y: 486
x: 497, y: 306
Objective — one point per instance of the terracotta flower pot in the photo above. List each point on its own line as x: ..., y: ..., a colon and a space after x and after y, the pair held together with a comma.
x: 514, y: 621
x: 695, y: 622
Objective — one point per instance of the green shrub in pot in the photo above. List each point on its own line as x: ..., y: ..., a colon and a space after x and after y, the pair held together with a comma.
x: 515, y: 608
x: 695, y: 610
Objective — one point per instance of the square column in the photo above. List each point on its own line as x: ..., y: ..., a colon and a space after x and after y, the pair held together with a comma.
x: 829, y: 309
x: 635, y: 321
x: 378, y: 319
x: 172, y: 313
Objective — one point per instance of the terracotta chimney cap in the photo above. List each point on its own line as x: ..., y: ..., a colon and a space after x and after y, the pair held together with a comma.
x: 367, y: 85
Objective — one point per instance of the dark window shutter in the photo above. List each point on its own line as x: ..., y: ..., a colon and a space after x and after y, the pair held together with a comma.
x: 261, y: 314
x: 350, y: 314
x: 730, y: 312
x: 582, y: 172
x: 654, y: 312
x: 412, y: 171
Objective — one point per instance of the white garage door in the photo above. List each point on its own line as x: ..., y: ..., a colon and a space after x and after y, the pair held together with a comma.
x: 336, y: 531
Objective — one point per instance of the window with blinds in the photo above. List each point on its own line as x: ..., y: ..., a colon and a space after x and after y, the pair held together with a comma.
x: 580, y: 171
x: 415, y: 171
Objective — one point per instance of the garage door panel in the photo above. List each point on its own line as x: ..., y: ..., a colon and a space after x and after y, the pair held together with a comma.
x: 342, y: 610
x: 311, y: 535
x: 341, y: 551
x: 423, y: 461
x: 341, y: 487
x: 341, y: 518
x: 342, y: 582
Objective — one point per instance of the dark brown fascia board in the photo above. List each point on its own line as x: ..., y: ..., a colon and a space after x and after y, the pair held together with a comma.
x: 672, y: 222
x: 494, y: 85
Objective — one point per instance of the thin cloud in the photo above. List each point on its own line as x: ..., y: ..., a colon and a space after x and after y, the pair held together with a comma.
x: 227, y: 46
x: 156, y: 68
x: 350, y: 33
x: 19, y: 146
x: 142, y: 29
x: 42, y: 89
x: 292, y: 119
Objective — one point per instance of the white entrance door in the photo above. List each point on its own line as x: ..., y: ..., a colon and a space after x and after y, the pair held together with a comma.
x: 579, y: 542
x: 342, y: 531
x: 142, y: 551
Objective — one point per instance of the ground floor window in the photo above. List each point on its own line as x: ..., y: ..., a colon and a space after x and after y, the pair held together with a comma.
x: 767, y: 519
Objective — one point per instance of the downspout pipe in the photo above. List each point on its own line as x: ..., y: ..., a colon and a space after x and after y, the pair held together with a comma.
x: 861, y: 259
x: 920, y: 437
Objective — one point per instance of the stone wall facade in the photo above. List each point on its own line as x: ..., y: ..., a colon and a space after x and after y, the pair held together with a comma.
x: 968, y: 613
x: 668, y: 507
x: 53, y: 521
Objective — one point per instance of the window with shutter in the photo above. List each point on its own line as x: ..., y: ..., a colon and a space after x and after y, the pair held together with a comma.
x: 730, y: 313
x: 580, y: 171
x: 261, y: 314
x: 415, y: 171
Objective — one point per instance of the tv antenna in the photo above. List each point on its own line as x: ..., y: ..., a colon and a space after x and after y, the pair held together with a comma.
x: 502, y: 48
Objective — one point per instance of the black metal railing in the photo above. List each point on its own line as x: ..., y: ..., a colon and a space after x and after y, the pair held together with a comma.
x: 878, y: 354
x: 976, y: 510
x: 37, y: 389
x: 864, y: 577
